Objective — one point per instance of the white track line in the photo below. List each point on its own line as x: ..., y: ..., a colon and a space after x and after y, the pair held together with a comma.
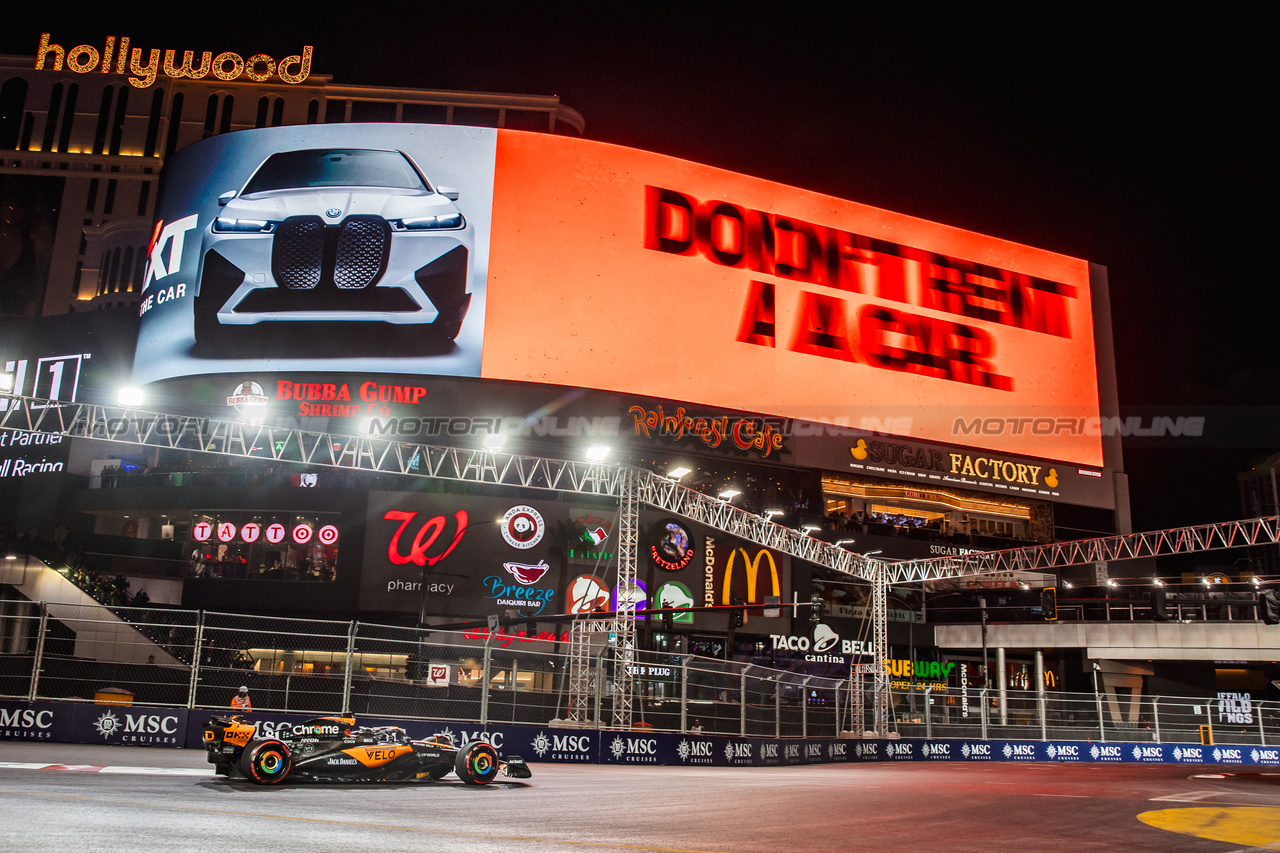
x: 95, y: 768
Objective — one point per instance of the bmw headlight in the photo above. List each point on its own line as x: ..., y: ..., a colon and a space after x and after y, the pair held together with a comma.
x: 251, y: 226
x: 423, y: 223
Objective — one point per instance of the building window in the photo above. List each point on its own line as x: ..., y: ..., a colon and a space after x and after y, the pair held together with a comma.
x: 153, y: 123
x: 228, y: 103
x: 117, y: 126
x: 51, y: 119
x: 144, y: 196
x: 175, y: 124
x: 13, y: 100
x: 372, y: 111
x: 68, y: 116
x: 313, y: 111
x: 476, y: 116
x: 109, y: 203
x: 104, y: 120
x: 526, y: 120
x: 125, y: 280
x: 425, y: 113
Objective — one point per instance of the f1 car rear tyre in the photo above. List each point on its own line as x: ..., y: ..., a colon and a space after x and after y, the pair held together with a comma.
x: 265, y: 762
x: 476, y: 763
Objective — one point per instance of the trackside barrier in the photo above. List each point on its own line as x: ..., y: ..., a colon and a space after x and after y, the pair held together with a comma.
x: 163, y: 657
x: 68, y: 722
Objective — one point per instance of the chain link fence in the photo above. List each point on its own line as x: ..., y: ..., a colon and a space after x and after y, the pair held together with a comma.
x: 162, y: 656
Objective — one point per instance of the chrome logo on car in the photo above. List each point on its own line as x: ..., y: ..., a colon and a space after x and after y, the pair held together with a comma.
x: 333, y: 212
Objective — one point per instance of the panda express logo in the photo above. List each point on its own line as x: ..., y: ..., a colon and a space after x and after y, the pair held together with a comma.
x: 522, y: 526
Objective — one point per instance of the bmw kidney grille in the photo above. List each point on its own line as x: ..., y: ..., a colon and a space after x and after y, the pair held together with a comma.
x: 352, y: 255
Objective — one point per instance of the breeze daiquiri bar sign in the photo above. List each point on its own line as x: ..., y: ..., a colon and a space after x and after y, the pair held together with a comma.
x: 144, y: 66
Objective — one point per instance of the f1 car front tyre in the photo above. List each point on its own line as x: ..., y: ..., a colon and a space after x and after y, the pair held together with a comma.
x: 265, y: 762
x: 476, y: 763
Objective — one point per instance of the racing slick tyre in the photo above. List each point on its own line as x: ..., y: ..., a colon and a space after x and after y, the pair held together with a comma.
x: 265, y: 762
x: 476, y: 763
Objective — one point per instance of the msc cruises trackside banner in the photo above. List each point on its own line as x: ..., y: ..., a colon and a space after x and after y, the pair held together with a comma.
x: 504, y: 255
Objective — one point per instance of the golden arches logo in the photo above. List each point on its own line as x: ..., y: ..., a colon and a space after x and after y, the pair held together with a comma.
x: 753, y: 570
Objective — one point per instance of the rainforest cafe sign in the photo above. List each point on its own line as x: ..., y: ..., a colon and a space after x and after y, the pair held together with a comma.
x: 747, y: 434
x: 145, y: 66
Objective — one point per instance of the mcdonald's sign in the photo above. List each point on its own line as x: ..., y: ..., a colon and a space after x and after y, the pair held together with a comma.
x: 751, y: 565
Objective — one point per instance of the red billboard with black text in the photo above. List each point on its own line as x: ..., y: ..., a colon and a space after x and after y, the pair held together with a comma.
x: 338, y: 266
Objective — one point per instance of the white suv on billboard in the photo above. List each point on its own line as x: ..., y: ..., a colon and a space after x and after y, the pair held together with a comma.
x: 335, y: 235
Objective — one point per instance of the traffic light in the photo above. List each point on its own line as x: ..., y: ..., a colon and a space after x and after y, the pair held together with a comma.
x: 737, y: 617
x: 1269, y: 603
x: 815, y: 608
x: 1049, y: 603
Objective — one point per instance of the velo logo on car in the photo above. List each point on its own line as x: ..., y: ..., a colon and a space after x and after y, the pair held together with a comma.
x: 522, y: 526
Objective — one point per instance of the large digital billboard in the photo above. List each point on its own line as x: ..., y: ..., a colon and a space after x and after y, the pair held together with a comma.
x: 494, y: 254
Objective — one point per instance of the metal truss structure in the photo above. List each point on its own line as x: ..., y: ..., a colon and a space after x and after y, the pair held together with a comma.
x: 1131, y: 546
x: 631, y: 487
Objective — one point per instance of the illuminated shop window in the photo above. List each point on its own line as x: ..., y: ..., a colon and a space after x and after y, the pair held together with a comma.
x: 249, y: 545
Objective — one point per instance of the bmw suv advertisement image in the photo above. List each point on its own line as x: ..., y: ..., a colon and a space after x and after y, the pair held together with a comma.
x: 336, y: 247
x: 338, y: 235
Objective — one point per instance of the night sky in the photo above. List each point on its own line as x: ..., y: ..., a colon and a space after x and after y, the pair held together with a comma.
x: 1137, y: 145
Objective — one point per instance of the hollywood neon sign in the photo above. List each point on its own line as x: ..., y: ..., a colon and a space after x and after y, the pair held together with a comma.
x: 117, y: 58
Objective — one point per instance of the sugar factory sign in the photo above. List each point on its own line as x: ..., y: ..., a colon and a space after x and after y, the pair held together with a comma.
x: 145, y: 66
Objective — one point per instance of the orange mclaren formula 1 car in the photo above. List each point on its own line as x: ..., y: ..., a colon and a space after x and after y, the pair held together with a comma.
x: 334, y: 749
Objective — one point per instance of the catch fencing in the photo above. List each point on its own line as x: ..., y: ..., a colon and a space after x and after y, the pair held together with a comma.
x: 165, y: 657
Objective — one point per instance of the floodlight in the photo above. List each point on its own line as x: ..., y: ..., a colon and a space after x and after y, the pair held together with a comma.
x: 678, y: 473
x: 597, y: 452
x: 130, y: 396
x: 729, y: 494
x: 493, y: 442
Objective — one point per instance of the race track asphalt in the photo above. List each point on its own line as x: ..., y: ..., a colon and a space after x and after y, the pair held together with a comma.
x: 138, y: 799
